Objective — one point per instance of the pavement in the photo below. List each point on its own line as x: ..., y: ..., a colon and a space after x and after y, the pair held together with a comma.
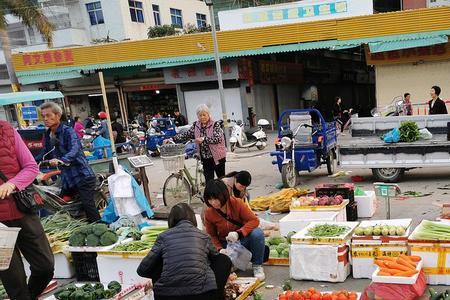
x: 266, y: 176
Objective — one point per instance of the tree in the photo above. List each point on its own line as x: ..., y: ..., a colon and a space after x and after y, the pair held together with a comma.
x: 160, y: 31
x: 31, y: 16
x: 191, y: 28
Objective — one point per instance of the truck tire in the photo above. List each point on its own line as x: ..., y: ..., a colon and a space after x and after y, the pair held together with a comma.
x: 388, y: 175
x: 289, y: 179
x: 331, y: 163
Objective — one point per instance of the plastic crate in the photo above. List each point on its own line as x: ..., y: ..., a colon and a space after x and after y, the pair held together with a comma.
x: 86, y: 268
x: 8, y: 237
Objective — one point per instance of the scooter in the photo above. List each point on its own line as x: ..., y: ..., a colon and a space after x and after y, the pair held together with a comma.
x: 396, y: 108
x: 239, y: 138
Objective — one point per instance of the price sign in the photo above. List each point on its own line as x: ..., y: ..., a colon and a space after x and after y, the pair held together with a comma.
x: 140, y: 161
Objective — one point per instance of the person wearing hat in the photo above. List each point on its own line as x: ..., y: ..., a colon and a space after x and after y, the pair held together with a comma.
x: 104, y: 132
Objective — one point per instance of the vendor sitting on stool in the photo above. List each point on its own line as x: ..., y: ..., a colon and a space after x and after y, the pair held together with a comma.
x: 228, y: 220
x: 183, y: 263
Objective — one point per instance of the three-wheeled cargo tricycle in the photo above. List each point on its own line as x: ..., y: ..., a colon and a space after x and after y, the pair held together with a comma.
x: 305, y: 142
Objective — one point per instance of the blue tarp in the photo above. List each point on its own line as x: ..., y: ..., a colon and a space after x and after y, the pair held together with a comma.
x: 20, y: 97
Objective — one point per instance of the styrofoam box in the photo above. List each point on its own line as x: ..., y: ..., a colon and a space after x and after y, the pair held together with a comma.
x: 362, y: 257
x: 121, y: 268
x: 432, y: 254
x: 63, y: 267
x: 319, y: 262
x: 302, y: 237
x: 297, y: 220
x: 366, y: 204
x: 396, y: 279
x: 340, y: 209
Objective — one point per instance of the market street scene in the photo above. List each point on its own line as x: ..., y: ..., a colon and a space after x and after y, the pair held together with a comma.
x: 224, y: 149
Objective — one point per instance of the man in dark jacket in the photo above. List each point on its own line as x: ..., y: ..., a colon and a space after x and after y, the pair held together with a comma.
x: 63, y: 147
x: 180, y: 120
x: 436, y: 105
x: 184, y: 264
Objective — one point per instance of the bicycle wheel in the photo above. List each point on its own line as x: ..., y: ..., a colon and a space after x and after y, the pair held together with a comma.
x: 176, y: 190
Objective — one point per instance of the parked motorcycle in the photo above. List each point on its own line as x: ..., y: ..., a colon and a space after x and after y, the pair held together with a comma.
x: 241, y: 139
x: 396, y: 108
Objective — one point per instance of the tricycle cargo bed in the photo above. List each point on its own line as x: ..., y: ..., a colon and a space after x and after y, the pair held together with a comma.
x: 436, y: 124
x: 372, y: 152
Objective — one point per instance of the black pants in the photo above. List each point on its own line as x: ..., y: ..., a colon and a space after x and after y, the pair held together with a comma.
x: 34, y: 246
x: 209, y: 167
x: 221, y: 266
x: 86, y: 190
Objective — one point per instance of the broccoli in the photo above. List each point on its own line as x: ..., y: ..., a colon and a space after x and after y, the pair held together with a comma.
x: 92, y: 240
x: 64, y: 295
x: 88, y: 287
x: 109, y: 294
x: 99, y: 293
x: 70, y: 287
x: 87, y: 229
x: 98, y: 285
x: 77, y: 295
x: 99, y: 229
x: 114, y: 285
x: 77, y: 240
x: 108, y: 238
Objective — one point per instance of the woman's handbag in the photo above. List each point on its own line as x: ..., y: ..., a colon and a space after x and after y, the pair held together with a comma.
x: 26, y: 201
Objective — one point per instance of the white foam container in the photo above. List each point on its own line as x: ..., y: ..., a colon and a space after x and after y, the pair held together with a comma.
x: 366, y: 204
x: 363, y: 256
x: 303, y: 238
x: 396, y: 279
x: 63, y: 267
x: 297, y: 220
x: 319, y: 262
x: 120, y: 267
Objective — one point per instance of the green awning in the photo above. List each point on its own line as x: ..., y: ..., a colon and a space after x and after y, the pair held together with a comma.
x: 383, y: 46
x: 20, y: 97
x: 48, y: 77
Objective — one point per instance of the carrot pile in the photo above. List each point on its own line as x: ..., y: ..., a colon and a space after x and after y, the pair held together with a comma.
x: 403, y: 266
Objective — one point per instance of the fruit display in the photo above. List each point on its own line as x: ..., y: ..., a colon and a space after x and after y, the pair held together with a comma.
x: 402, y: 266
x: 327, y: 230
x: 89, y: 291
x: 93, y: 236
x: 321, y: 201
x: 277, y: 202
x: 380, y: 230
x: 313, y: 294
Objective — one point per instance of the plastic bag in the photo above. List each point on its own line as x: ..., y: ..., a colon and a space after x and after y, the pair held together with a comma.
x: 392, y: 136
x: 425, y: 134
x: 239, y: 255
x: 103, y: 143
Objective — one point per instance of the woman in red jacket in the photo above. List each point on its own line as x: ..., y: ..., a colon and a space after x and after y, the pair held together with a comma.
x: 228, y: 220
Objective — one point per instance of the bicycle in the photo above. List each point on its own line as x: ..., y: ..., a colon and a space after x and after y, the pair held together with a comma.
x: 181, y: 185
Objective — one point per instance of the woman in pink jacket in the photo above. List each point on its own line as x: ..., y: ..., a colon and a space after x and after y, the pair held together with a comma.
x: 78, y: 127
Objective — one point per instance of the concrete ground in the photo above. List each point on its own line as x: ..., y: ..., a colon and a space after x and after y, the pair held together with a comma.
x: 266, y: 176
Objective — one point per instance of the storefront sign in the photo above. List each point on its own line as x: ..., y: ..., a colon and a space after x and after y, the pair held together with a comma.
x: 272, y: 72
x: 53, y: 58
x: 302, y: 11
x: 200, y: 73
x: 148, y: 87
x: 411, y: 55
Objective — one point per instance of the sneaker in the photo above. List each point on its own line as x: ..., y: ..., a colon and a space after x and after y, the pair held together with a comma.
x: 258, y: 272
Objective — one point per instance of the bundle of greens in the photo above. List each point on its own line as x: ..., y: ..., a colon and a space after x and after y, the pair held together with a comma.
x: 146, y: 242
x: 409, y: 132
x: 429, y: 230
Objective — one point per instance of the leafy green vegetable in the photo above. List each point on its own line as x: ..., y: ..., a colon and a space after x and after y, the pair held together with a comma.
x: 276, y: 240
x: 92, y: 240
x: 273, y: 253
x: 108, y: 238
x: 114, y: 285
x: 409, y: 132
x: 99, y: 229
x: 285, y: 253
x: 327, y: 230
x: 281, y: 247
x: 77, y: 239
x: 429, y: 230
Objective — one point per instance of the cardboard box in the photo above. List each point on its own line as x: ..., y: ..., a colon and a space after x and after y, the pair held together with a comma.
x: 363, y: 256
x: 366, y: 204
x: 319, y: 262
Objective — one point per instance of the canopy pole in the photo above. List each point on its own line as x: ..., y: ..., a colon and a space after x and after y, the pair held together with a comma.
x: 105, y: 103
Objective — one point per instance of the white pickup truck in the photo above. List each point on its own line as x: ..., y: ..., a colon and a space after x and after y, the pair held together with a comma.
x: 364, y: 148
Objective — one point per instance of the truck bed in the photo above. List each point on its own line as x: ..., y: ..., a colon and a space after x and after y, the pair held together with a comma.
x: 372, y: 152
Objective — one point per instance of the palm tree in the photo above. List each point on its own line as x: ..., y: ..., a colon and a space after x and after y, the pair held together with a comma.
x: 31, y: 16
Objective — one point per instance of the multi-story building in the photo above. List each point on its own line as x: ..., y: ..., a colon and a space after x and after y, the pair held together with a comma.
x: 83, y: 22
